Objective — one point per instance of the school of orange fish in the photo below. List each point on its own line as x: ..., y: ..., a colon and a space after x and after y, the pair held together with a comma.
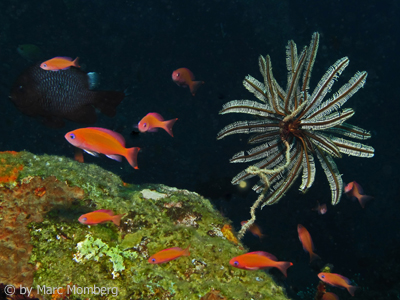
x: 95, y: 140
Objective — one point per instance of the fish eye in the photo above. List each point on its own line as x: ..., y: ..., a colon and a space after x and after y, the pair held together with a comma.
x: 236, y: 263
x: 322, y: 276
x: 153, y: 260
x: 178, y: 74
x: 84, y: 219
x: 20, y: 88
x: 44, y: 65
x: 72, y: 136
x: 144, y: 125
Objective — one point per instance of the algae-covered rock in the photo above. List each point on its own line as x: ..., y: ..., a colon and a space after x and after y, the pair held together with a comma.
x: 110, y: 262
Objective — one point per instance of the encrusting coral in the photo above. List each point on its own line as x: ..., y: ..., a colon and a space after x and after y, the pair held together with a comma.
x: 47, y: 246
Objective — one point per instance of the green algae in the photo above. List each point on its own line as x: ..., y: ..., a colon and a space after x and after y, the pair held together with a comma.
x: 158, y: 217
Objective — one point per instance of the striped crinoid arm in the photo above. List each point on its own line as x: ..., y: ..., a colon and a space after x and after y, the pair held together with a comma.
x: 339, y: 98
x: 281, y: 182
x: 247, y: 127
x: 328, y: 121
x: 332, y: 174
x: 351, y: 131
x: 274, y: 92
x: 353, y: 148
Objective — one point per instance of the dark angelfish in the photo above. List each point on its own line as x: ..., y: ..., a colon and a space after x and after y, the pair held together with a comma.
x: 65, y: 94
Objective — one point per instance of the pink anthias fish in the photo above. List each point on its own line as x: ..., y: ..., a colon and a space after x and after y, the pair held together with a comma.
x: 169, y: 254
x: 153, y: 120
x: 321, y: 209
x: 337, y: 280
x: 330, y: 296
x: 184, y: 77
x: 306, y: 241
x: 353, y: 189
x: 100, y: 216
x: 59, y: 63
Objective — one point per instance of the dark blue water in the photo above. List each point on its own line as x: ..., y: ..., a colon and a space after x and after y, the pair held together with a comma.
x: 137, y: 45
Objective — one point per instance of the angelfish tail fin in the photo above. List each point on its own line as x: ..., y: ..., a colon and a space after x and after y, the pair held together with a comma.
x: 168, y: 126
x: 194, y: 86
x: 131, y: 156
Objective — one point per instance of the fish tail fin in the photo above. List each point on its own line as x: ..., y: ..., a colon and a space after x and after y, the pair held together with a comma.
x: 131, y: 156
x: 283, y: 266
x: 352, y: 289
x: 107, y: 101
x: 75, y: 63
x: 168, y: 126
x: 363, y: 199
x: 186, y: 251
x: 314, y: 256
x: 117, y: 219
x: 194, y: 86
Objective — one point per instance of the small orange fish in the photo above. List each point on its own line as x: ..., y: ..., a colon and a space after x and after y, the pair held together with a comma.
x: 337, y: 281
x: 59, y: 63
x: 95, y: 140
x: 321, y: 209
x: 184, y: 77
x: 254, y: 229
x: 100, y: 216
x: 152, y: 121
x: 259, y: 260
x: 306, y: 241
x: 330, y: 296
x: 353, y: 189
x: 166, y: 255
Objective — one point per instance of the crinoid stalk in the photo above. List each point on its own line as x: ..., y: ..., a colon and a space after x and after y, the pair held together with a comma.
x: 293, y: 126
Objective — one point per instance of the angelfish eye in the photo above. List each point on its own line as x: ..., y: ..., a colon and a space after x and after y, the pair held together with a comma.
x: 72, y: 136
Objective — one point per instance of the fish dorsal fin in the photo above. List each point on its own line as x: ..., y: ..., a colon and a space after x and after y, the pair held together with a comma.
x: 348, y: 281
x: 173, y: 248
x: 156, y: 115
x: 64, y: 57
x: 266, y: 254
x: 107, y: 211
x: 114, y: 134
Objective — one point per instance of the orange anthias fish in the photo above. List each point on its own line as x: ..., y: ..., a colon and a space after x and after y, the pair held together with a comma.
x: 184, y: 77
x: 337, y: 281
x: 152, y: 121
x: 254, y: 229
x: 259, y: 260
x: 166, y: 255
x: 330, y: 296
x: 100, y: 216
x: 94, y: 140
x: 353, y: 189
x: 306, y: 241
x: 59, y: 63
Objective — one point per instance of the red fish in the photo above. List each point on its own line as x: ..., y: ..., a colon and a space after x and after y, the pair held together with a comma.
x: 152, y: 121
x: 59, y: 63
x: 321, y: 209
x: 94, y: 140
x: 353, y: 189
x: 254, y: 229
x: 184, y: 77
x: 100, y: 216
x: 330, y: 296
x: 306, y: 241
x: 259, y: 260
x: 166, y: 255
x: 337, y: 281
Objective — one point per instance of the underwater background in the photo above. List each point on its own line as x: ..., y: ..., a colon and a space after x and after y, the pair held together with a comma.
x: 136, y: 45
